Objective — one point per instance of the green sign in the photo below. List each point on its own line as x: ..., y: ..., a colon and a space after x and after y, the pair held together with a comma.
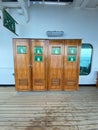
x: 71, y: 58
x: 56, y: 50
x: 38, y: 50
x: 8, y: 21
x: 72, y: 50
x: 38, y: 58
x: 21, y: 49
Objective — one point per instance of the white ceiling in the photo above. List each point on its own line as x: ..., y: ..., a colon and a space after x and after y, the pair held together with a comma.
x: 25, y: 4
x: 86, y: 3
x: 76, y: 3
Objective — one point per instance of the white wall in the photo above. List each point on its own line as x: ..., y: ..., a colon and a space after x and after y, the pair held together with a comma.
x: 76, y: 23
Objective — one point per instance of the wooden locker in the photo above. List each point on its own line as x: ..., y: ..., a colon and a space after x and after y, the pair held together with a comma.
x: 46, y: 64
x: 22, y: 62
x: 39, y: 53
x: 71, y: 64
x: 55, y: 64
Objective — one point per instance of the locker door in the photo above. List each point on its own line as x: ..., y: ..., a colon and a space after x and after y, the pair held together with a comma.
x: 55, y: 64
x: 22, y: 62
x: 39, y: 64
x: 71, y: 64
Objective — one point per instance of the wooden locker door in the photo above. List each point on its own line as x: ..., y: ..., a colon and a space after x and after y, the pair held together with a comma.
x: 39, y: 50
x: 71, y: 64
x: 97, y: 80
x: 22, y: 62
x: 55, y: 64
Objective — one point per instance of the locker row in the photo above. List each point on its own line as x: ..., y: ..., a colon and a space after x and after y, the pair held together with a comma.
x: 46, y: 64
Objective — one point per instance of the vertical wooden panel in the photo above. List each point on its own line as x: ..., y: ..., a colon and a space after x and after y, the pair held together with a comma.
x: 97, y: 80
x: 71, y: 64
x: 22, y: 62
x: 38, y: 51
x: 55, y: 64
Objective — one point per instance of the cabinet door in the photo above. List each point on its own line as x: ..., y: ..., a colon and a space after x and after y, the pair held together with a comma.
x: 55, y: 64
x: 71, y: 64
x: 22, y: 62
x: 97, y: 80
x: 38, y: 51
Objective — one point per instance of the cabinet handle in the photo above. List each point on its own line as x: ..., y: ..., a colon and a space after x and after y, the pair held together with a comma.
x: 30, y: 65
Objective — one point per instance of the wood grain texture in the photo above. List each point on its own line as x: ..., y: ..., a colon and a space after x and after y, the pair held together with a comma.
x: 53, y: 110
x: 55, y: 65
x: 71, y: 69
x: 97, y: 80
x: 53, y: 71
x: 39, y: 71
x: 22, y: 62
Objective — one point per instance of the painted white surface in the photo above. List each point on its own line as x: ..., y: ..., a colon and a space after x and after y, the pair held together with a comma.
x: 76, y: 23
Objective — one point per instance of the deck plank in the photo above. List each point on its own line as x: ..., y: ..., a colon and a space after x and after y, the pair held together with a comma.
x: 59, y: 110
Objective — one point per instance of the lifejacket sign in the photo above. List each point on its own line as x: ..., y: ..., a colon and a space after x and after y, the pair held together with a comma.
x: 8, y: 21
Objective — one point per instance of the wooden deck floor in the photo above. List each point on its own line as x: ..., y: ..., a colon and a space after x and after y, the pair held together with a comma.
x: 49, y: 110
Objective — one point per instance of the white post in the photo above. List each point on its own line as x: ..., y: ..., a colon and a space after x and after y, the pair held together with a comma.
x: 24, y: 6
